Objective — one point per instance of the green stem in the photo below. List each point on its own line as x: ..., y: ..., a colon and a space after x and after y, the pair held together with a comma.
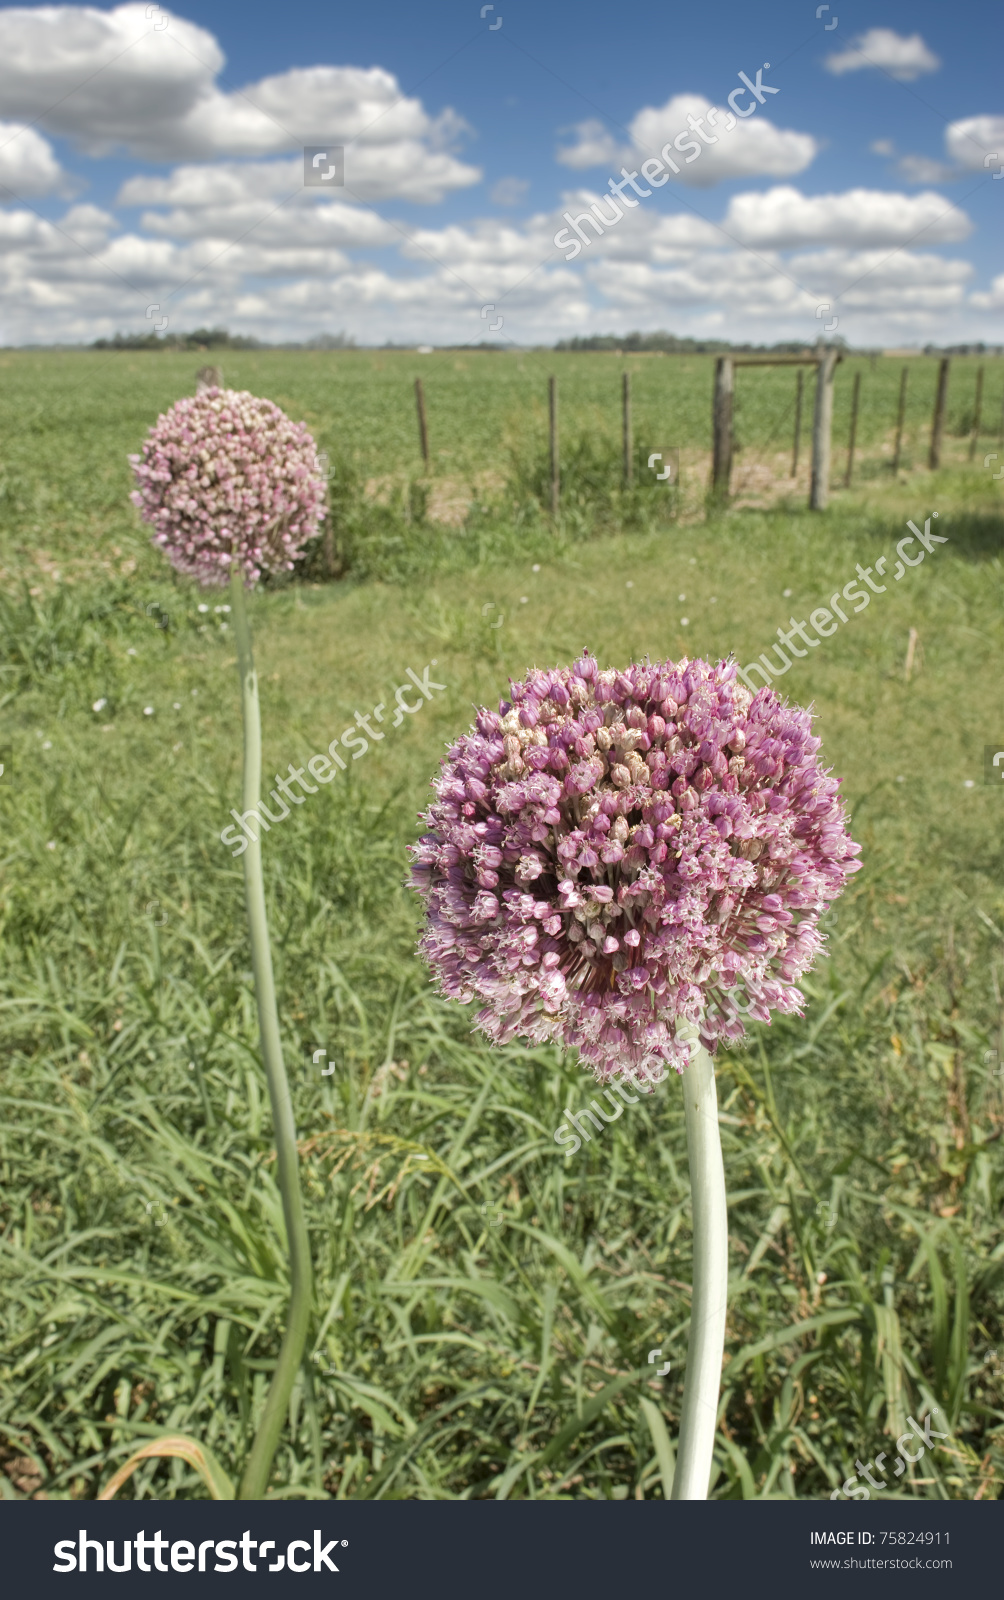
x: 699, y: 1416
x: 259, y: 1462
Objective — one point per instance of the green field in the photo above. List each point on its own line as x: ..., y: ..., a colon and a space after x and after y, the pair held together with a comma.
x: 482, y: 1327
x: 69, y: 420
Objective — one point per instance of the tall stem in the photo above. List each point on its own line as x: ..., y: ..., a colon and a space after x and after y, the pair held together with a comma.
x: 699, y: 1417
x: 259, y: 1463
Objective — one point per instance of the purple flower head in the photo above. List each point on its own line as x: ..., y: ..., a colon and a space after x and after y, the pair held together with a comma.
x: 615, y: 851
x: 227, y: 474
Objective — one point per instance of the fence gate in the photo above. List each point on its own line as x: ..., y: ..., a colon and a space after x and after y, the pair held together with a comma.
x: 825, y: 362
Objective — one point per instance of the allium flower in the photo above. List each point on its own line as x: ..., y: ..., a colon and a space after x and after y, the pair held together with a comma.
x: 615, y: 851
x: 226, y: 474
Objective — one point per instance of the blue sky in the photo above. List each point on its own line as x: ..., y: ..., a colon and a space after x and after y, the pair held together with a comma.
x: 154, y: 157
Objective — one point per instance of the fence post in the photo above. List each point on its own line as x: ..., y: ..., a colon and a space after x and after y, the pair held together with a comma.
x: 854, y: 430
x: 209, y: 378
x: 721, y: 418
x: 822, y: 429
x: 798, y: 423
x: 900, y: 414
x: 911, y: 649
x: 938, y: 421
x: 552, y: 417
x: 423, y: 431
x: 626, y: 422
x: 978, y: 412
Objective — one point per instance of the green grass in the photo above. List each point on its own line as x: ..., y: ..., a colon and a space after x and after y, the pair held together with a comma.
x: 484, y: 1316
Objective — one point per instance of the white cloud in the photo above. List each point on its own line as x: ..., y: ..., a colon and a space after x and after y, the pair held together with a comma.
x: 642, y: 234
x: 347, y: 227
x: 870, y: 280
x: 740, y: 295
x: 28, y: 165
x: 741, y: 282
x: 921, y: 169
x: 121, y: 80
x: 992, y: 300
x: 783, y: 218
x: 975, y: 144
x: 509, y: 191
x: 493, y: 256
x: 594, y: 147
x: 972, y: 140
x: 221, y: 184
x: 735, y: 148
x: 490, y: 246
x: 903, y: 58
x: 229, y: 198
x: 104, y: 78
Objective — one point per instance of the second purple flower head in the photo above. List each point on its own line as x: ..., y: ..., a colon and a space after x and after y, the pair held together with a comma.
x: 612, y: 852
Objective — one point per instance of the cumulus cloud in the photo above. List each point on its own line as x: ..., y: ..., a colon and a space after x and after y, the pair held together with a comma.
x: 974, y: 144
x: 28, y: 164
x: 594, y: 147
x: 922, y: 169
x: 741, y: 282
x: 491, y: 254
x: 992, y: 299
x: 721, y: 147
x: 877, y: 297
x: 874, y: 280
x: 903, y: 58
x: 119, y: 79
x: 494, y: 256
x: 402, y: 172
x: 973, y: 139
x: 104, y: 78
x: 785, y: 218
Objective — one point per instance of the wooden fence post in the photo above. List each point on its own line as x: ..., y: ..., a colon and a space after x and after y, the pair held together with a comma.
x: 721, y: 418
x: 822, y: 429
x: 626, y: 428
x: 423, y: 431
x: 798, y: 422
x: 854, y: 430
x: 900, y: 414
x: 552, y: 417
x: 978, y: 412
x: 938, y: 420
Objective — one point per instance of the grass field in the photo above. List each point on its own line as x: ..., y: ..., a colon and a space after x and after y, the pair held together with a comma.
x: 69, y: 420
x: 484, y: 1316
